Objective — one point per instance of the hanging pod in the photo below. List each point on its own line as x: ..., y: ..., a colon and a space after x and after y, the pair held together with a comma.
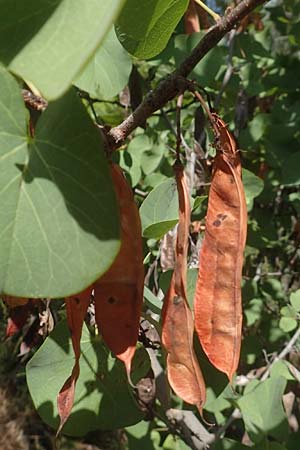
x: 183, y: 371
x: 217, y: 301
x: 118, y: 296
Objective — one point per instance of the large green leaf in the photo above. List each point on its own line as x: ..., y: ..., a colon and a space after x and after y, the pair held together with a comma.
x: 49, y: 41
x: 108, y: 70
x: 159, y: 211
x: 103, y: 398
x: 145, y: 26
x: 262, y: 410
x: 58, y: 217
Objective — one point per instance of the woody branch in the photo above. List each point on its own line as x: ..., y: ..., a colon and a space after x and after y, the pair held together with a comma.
x: 176, y: 82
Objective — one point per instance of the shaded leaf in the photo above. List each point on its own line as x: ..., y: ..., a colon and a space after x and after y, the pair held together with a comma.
x: 207, y: 69
x: 230, y: 444
x: 103, y: 398
x: 290, y: 170
x: 108, y: 70
x: 139, y: 436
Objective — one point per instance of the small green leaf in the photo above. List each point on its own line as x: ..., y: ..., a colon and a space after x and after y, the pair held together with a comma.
x: 262, y: 409
x: 130, y: 163
x: 59, y: 217
x: 198, y: 201
x: 152, y: 301
x: 288, y: 311
x: 103, y: 398
x: 253, y: 186
x: 145, y: 26
x: 138, y: 436
x: 192, y: 275
x: 108, y: 70
x: 159, y: 211
x: 258, y: 126
x: 295, y: 300
x: 130, y: 159
x: 287, y: 324
x: 151, y: 158
x: 50, y: 42
x: 217, y: 403
x: 253, y: 311
x: 280, y: 368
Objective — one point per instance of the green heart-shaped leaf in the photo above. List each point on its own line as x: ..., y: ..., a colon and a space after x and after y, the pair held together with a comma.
x: 58, y: 217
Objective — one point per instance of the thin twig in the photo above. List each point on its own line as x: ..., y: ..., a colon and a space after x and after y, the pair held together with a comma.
x: 285, y: 351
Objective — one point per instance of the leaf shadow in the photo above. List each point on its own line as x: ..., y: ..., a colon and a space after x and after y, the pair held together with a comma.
x: 22, y: 23
x: 67, y: 169
x: 104, y: 400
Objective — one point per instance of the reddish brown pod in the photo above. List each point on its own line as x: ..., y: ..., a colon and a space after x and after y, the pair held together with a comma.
x: 217, y: 302
x: 119, y: 293
x: 76, y: 307
x: 184, y: 373
x: 118, y: 296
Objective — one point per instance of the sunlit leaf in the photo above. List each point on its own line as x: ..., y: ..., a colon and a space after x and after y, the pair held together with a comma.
x: 262, y: 410
x: 50, y: 41
x: 159, y: 211
x: 145, y: 26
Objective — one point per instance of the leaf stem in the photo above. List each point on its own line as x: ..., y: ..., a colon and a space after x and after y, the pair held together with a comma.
x: 214, y: 15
